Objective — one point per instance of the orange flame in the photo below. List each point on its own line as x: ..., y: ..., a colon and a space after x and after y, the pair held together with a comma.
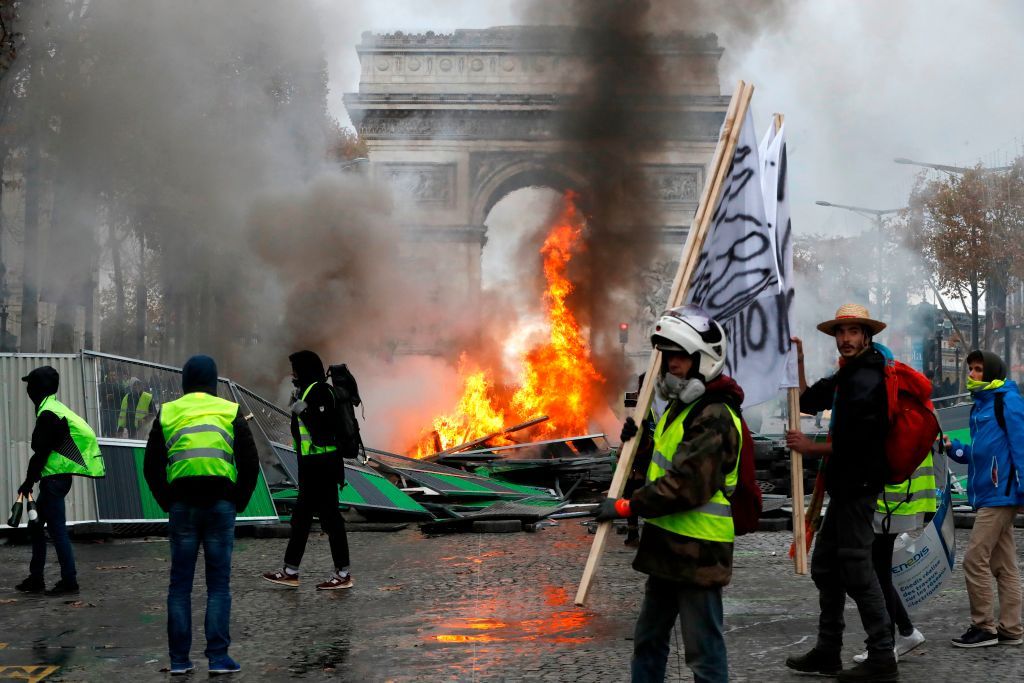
x: 557, y: 379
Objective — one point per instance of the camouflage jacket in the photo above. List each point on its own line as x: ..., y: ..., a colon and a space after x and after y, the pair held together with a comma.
x: 706, y: 454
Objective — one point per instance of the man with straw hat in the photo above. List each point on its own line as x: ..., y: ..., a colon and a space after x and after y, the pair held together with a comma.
x: 855, y: 471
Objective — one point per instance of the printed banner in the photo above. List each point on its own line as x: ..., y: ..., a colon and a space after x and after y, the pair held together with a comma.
x: 740, y: 278
x: 920, y: 565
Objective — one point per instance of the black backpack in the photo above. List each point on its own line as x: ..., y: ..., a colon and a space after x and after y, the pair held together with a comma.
x: 346, y: 398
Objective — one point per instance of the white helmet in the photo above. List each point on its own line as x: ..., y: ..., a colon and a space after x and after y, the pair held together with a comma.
x: 691, y: 330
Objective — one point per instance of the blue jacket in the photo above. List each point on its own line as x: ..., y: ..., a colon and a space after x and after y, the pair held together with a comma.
x: 991, y: 480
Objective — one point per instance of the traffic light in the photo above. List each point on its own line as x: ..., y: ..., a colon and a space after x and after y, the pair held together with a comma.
x: 623, y: 333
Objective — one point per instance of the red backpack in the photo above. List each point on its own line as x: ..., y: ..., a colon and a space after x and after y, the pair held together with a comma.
x: 913, y: 424
x: 746, y: 498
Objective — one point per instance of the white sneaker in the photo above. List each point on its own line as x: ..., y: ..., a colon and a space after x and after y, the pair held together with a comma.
x: 905, y: 644
x: 863, y: 656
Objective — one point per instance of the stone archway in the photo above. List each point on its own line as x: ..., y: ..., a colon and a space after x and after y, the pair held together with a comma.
x: 455, y: 122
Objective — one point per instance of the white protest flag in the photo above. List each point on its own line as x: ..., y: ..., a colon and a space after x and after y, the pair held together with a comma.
x: 737, y: 276
x: 776, y: 202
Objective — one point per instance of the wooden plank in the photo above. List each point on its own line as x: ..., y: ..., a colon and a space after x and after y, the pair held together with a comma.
x: 483, y: 439
x: 720, y: 163
x: 796, y: 474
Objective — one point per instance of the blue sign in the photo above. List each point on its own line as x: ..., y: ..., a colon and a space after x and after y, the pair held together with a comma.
x: 916, y: 359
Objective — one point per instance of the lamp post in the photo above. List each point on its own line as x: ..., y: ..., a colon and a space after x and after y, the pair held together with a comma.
x: 876, y: 215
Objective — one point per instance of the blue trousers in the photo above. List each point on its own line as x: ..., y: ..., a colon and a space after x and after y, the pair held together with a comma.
x: 50, y: 506
x: 699, y: 612
x: 212, y: 527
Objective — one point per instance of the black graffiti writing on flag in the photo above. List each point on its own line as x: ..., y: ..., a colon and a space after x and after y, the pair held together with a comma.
x: 737, y: 263
x: 764, y: 322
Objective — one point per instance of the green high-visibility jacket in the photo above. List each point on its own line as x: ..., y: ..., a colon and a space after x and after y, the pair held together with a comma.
x: 908, y: 502
x: 711, y: 521
x: 141, y: 408
x: 200, y: 435
x: 306, y: 445
x: 79, y: 454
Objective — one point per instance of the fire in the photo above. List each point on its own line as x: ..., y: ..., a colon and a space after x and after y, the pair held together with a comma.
x: 557, y: 377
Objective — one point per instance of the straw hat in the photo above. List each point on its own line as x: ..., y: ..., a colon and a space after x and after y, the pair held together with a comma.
x: 851, y: 314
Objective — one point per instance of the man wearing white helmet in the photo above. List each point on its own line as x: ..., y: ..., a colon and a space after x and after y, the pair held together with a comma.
x: 687, y: 540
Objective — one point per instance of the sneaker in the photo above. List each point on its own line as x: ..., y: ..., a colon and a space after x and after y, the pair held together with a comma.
x: 816, y: 662
x: 33, y: 584
x: 976, y: 637
x: 62, y: 587
x: 335, y: 583
x: 224, y: 665
x: 905, y: 644
x: 871, y: 670
x: 1009, y: 640
x: 182, y: 669
x: 282, y: 579
x: 863, y: 656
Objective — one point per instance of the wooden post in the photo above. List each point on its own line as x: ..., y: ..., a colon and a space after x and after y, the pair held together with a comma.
x: 796, y: 465
x: 796, y: 475
x: 720, y: 164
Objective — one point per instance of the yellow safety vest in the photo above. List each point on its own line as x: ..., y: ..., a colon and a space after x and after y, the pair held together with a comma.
x: 141, y: 408
x: 78, y: 455
x: 711, y: 521
x: 915, y: 496
x: 306, y: 445
x: 199, y: 432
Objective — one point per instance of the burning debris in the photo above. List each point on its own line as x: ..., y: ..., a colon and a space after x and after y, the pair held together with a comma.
x: 556, y: 378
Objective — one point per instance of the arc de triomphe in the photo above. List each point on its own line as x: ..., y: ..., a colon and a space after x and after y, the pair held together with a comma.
x: 455, y: 122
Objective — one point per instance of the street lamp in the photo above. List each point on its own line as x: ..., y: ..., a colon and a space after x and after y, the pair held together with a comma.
x: 946, y: 168
x: 875, y: 214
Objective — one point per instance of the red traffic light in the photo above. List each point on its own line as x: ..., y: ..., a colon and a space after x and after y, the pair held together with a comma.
x: 623, y: 326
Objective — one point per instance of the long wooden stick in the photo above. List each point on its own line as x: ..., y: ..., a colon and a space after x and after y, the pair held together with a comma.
x: 720, y: 164
x: 796, y: 463
x: 796, y: 475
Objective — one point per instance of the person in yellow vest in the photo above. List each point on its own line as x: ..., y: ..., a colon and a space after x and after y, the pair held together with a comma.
x: 315, y: 431
x: 135, y: 406
x: 686, y: 544
x: 901, y: 508
x: 201, y: 465
x: 63, y: 445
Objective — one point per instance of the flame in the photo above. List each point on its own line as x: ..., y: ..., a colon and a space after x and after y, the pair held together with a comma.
x: 557, y: 377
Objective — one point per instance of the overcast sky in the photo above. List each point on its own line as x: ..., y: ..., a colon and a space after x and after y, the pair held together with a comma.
x: 859, y: 82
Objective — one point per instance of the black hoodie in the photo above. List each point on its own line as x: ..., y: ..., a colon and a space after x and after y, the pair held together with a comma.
x: 50, y: 430
x: 320, y: 414
x: 200, y: 374
x: 993, y: 366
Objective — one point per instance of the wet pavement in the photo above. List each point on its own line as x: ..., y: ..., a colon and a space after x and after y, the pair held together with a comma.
x: 471, y: 607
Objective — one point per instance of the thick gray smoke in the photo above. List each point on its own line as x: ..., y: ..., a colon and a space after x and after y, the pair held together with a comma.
x: 189, y: 140
x: 614, y: 125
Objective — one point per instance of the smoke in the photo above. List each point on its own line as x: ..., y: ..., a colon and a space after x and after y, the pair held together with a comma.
x: 635, y: 63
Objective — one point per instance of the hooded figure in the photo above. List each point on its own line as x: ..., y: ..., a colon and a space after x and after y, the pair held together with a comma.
x: 63, y: 445
x: 314, y: 429
x: 307, y: 369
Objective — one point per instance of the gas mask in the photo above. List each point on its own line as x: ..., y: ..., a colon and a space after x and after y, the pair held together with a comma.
x: 670, y: 387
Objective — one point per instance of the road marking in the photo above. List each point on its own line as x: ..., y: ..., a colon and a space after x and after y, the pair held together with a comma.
x: 31, y: 673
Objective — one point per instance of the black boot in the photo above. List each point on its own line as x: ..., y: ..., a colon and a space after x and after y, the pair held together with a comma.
x: 881, y: 671
x: 817, y: 662
x: 33, y: 584
x: 63, y: 588
x: 632, y: 537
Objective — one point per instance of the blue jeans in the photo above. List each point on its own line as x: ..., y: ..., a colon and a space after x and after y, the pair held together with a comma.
x: 699, y: 612
x: 50, y: 506
x: 214, y: 528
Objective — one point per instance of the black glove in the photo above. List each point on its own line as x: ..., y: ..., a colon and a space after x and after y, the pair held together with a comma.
x: 629, y: 430
x: 609, y: 509
x: 26, y: 488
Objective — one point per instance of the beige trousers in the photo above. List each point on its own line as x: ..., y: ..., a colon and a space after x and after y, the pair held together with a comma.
x: 991, y: 552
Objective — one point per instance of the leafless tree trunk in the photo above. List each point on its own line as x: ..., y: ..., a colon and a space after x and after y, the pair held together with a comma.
x: 141, y: 300
x: 30, y: 272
